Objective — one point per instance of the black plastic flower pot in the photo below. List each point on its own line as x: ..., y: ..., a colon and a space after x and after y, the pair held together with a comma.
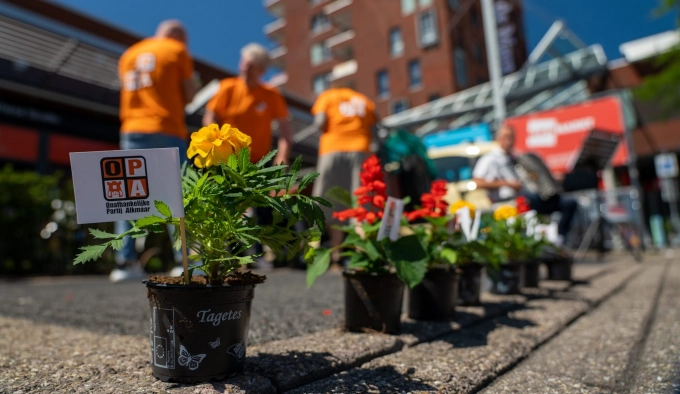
x: 509, y: 279
x: 532, y: 271
x: 435, y: 298
x: 470, y: 284
x: 560, y: 269
x: 373, y: 302
x: 198, y: 333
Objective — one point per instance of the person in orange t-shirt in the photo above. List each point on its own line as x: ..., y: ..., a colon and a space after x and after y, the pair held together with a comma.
x: 347, y: 119
x: 155, y: 84
x: 250, y: 106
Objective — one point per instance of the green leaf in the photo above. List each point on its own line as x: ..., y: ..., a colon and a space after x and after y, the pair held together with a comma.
x: 232, y: 162
x: 339, y: 195
x: 408, y: 257
x: 148, y: 221
x: 244, y: 159
x: 263, y: 161
x: 449, y: 255
x: 90, y: 253
x: 117, y: 244
x: 322, y: 260
x: 306, y: 180
x: 101, y: 234
x: 271, y: 169
x: 322, y: 201
x: 163, y: 209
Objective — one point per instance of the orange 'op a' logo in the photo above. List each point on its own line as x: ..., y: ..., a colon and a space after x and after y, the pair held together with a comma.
x: 124, y: 178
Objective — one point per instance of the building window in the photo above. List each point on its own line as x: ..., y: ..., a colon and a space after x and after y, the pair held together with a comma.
x: 474, y: 16
x: 320, y: 23
x: 383, y: 83
x: 408, y: 6
x: 321, y: 82
x: 433, y: 97
x: 400, y: 105
x: 481, y: 80
x: 396, y: 42
x: 415, y: 75
x: 424, y: 3
x: 426, y: 25
x: 319, y: 53
x: 477, y: 53
x: 460, y: 65
x: 454, y: 4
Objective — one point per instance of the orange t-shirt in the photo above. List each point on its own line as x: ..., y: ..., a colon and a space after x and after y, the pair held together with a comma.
x: 151, y: 94
x: 249, y: 110
x: 349, y: 118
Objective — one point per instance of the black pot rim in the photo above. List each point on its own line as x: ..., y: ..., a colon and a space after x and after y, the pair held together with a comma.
x: 194, y: 287
x: 348, y: 272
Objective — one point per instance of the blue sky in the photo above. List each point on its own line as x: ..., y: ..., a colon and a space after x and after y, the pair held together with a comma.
x: 219, y: 28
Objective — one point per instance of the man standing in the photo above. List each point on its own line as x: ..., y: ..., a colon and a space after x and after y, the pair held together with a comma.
x: 246, y: 104
x: 347, y: 119
x: 156, y: 83
x: 251, y: 107
x: 495, y: 171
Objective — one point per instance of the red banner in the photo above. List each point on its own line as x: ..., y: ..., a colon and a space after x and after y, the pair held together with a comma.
x: 557, y: 136
x: 18, y: 144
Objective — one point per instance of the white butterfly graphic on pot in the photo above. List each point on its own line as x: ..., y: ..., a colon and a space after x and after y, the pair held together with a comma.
x: 215, y: 344
x: 237, y: 350
x: 187, y: 360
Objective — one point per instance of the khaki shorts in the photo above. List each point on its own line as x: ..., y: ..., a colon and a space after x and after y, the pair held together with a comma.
x: 338, y: 169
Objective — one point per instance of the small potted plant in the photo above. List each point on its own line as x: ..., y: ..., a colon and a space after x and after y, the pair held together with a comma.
x: 435, y: 298
x: 199, y: 329
x: 378, y: 269
x: 558, y: 262
x: 508, y: 244
x: 471, y: 257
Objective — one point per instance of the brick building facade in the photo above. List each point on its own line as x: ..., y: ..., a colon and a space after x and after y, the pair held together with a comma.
x: 401, y: 53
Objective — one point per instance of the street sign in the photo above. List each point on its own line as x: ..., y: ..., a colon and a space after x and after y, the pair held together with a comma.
x: 666, y: 165
x: 475, y: 133
x: 123, y: 185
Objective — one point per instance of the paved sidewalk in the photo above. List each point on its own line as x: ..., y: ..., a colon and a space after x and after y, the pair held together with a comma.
x: 611, y: 319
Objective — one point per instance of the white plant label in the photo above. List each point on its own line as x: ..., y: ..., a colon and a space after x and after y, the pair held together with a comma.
x: 469, y: 227
x: 389, y: 227
x: 123, y: 185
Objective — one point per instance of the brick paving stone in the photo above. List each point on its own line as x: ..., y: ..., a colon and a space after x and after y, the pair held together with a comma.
x: 659, y: 365
x: 594, y: 351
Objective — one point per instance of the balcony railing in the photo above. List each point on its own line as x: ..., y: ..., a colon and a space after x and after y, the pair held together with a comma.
x: 339, y: 13
x: 341, y: 45
x: 344, y: 69
x: 274, y: 30
x: 277, y: 55
x: 275, y: 7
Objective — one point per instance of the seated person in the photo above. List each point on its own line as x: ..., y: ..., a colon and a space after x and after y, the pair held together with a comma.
x: 495, y: 171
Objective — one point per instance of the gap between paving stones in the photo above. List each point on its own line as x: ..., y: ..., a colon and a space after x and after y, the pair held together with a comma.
x: 592, y: 354
x: 466, y: 360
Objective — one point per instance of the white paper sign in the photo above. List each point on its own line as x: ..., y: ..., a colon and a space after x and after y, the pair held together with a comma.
x: 123, y: 185
x: 469, y: 227
x: 391, y: 221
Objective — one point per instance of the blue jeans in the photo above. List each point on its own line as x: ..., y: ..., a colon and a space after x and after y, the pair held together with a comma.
x: 146, y: 141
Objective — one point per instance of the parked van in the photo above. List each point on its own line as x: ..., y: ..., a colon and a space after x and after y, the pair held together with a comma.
x: 455, y: 164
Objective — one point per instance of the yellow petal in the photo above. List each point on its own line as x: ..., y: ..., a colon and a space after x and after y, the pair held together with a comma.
x: 199, y: 148
x: 220, y: 154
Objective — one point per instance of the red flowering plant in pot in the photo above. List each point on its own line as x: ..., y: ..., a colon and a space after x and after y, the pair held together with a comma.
x: 436, y: 296
x: 378, y: 269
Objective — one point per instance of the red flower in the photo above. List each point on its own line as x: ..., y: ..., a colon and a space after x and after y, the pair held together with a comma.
x: 371, y: 195
x: 522, y: 204
x: 433, y: 204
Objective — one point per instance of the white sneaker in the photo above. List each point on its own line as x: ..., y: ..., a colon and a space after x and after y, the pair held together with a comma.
x: 178, y: 270
x: 131, y: 273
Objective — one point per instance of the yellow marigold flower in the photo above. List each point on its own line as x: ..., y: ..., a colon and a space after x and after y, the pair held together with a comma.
x: 505, y: 212
x: 211, y: 145
x: 462, y: 204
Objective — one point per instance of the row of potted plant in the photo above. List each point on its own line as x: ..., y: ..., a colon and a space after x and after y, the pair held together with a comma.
x: 199, y: 328
x: 439, y: 257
